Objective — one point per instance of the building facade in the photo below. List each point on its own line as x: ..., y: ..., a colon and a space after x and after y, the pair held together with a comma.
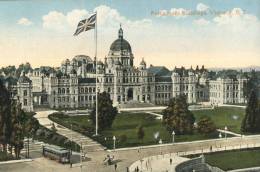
x: 225, y: 90
x: 73, y: 84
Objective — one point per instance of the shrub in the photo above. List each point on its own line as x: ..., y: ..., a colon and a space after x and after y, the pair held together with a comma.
x: 123, y: 138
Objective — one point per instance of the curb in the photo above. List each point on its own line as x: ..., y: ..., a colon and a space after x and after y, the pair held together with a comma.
x: 16, y: 161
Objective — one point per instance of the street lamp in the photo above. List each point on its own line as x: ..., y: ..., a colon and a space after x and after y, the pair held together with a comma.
x: 114, y: 138
x: 160, y: 142
x: 71, y: 146
x: 226, y: 131
x: 81, y: 153
x: 173, y: 134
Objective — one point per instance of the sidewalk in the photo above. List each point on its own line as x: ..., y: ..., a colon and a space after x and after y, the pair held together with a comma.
x: 88, y: 144
x: 158, y: 163
x: 15, y: 161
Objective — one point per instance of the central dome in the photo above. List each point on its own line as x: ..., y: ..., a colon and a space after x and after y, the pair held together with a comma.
x: 120, y: 44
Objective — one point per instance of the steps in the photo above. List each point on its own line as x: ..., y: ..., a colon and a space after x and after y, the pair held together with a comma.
x: 87, y: 143
x: 135, y: 104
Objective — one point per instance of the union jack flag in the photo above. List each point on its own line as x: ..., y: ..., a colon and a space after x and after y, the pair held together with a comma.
x: 86, y: 24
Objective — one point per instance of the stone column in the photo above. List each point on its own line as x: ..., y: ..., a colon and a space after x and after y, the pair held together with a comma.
x: 39, y: 100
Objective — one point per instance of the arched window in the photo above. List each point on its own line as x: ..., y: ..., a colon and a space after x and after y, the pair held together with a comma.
x: 86, y: 89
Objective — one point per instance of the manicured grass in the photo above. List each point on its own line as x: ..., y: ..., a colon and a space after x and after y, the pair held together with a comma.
x: 224, y: 116
x: 234, y: 159
x: 126, y: 123
x: 125, y: 129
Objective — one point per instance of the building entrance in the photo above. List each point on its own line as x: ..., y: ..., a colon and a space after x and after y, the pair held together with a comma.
x: 130, y: 95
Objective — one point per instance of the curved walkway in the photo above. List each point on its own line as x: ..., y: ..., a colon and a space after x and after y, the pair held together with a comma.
x: 88, y: 144
x: 158, y: 163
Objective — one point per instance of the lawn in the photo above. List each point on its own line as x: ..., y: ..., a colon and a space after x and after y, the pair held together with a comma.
x: 224, y: 116
x: 126, y: 123
x: 124, y: 128
x: 234, y: 159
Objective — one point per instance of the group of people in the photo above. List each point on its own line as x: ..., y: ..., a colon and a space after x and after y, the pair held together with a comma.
x: 109, y: 159
x: 148, y: 164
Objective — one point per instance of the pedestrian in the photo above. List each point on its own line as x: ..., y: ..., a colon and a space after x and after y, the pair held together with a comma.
x: 137, y: 169
x: 127, y: 169
x: 170, y: 161
x: 115, y: 166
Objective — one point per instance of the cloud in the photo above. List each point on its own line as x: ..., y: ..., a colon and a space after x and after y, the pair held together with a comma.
x: 74, y: 16
x: 237, y: 18
x: 24, y: 21
x: 179, y: 12
x: 57, y: 20
x: 54, y: 20
x: 202, y: 7
x: 173, y: 12
x: 201, y: 22
x: 107, y: 16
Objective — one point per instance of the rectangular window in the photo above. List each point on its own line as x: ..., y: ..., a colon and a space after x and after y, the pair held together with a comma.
x: 25, y: 102
x: 25, y: 92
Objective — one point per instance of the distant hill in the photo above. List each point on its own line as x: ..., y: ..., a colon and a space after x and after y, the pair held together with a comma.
x: 244, y: 69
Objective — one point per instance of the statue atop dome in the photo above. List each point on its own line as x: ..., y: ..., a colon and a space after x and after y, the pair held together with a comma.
x: 120, y: 32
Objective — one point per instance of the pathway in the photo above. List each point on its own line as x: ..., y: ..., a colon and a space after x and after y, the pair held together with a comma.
x: 158, y: 116
x: 88, y: 144
x: 229, y: 132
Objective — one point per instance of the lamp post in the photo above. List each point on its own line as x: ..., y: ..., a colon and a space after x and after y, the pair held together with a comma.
x: 81, y: 151
x: 220, y: 136
x: 173, y: 134
x: 71, y: 146
x: 226, y: 132
x: 114, y: 138
x: 160, y: 142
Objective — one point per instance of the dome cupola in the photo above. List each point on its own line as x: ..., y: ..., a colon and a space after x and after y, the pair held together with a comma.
x: 120, y: 44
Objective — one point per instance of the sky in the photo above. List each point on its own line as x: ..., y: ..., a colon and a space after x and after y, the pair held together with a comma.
x: 220, y: 33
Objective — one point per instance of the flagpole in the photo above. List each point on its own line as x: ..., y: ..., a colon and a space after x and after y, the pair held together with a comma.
x: 96, y: 76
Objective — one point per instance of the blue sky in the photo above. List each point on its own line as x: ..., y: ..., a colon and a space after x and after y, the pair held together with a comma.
x: 29, y: 28
x: 11, y: 11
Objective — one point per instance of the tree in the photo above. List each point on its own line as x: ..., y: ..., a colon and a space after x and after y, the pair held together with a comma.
x: 5, y: 119
x: 177, y: 116
x: 251, y: 84
x: 206, y: 125
x: 17, y: 129
x: 14, y: 123
x: 9, y: 70
x: 251, y: 120
x: 140, y: 132
x: 23, y: 67
x: 106, y: 112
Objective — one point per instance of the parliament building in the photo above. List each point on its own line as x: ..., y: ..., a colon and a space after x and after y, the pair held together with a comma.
x: 73, y: 84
